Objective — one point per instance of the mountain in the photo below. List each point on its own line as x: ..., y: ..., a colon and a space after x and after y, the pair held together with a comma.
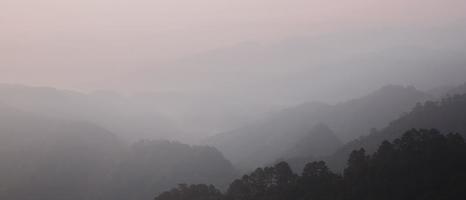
x: 443, y: 91
x: 446, y: 115
x: 461, y: 89
x: 320, y: 141
x: 153, y: 166
x: 124, y: 116
x: 47, y: 158
x: 420, y: 164
x: 261, y: 142
x: 325, y: 67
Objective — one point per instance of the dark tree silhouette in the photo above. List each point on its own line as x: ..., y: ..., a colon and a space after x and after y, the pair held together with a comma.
x: 422, y: 164
x: 191, y: 192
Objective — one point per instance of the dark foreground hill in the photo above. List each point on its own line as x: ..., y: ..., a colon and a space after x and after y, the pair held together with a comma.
x: 446, y: 115
x: 421, y: 164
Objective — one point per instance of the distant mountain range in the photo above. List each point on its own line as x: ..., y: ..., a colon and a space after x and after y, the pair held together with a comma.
x: 55, y: 159
x: 125, y: 117
x: 49, y: 151
x: 265, y: 141
x: 444, y: 112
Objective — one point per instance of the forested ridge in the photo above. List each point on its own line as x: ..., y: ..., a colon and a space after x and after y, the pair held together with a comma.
x: 232, y: 100
x: 421, y: 164
x: 421, y: 155
x: 446, y: 115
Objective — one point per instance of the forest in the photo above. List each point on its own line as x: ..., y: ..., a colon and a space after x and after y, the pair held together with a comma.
x: 418, y: 163
x: 421, y: 164
x: 232, y: 100
x: 300, y: 154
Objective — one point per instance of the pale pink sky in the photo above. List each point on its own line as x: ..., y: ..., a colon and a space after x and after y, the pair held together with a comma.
x: 109, y: 44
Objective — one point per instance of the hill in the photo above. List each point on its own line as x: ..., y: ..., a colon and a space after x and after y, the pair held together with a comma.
x: 261, y: 142
x: 46, y: 158
x: 446, y: 115
x: 125, y: 117
x: 153, y: 166
x: 421, y: 164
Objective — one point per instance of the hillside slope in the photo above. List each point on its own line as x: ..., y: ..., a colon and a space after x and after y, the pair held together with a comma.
x: 447, y: 115
x: 262, y: 142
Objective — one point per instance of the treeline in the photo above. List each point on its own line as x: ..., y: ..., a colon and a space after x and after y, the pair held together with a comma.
x: 421, y: 164
x: 446, y: 115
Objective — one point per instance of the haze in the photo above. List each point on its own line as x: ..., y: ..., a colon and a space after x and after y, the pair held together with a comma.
x: 232, y: 99
x: 223, y: 60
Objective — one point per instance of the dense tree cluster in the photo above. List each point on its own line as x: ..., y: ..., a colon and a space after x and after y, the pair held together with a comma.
x: 447, y: 115
x: 192, y: 192
x: 422, y: 164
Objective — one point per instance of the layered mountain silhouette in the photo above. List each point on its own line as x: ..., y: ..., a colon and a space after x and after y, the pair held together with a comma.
x: 47, y: 158
x: 261, y: 142
x: 446, y: 115
x: 154, y: 166
x: 123, y: 116
x: 421, y: 164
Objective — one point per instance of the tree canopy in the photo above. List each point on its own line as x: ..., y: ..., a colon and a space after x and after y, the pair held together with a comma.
x: 421, y: 164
